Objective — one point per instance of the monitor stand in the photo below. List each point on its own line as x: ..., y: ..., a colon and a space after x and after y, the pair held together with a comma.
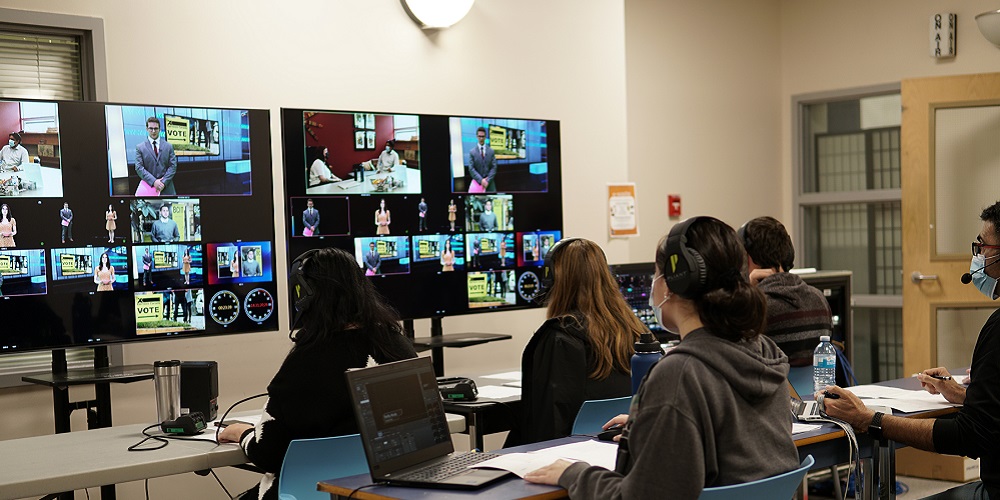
x: 102, y: 375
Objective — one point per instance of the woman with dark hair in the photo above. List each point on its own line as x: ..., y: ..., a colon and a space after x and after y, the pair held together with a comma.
x: 8, y: 227
x: 447, y: 257
x: 111, y: 216
x: 714, y: 410
x: 104, y: 276
x: 319, y: 170
x: 382, y: 219
x: 583, y: 350
x: 186, y: 266
x: 342, y: 323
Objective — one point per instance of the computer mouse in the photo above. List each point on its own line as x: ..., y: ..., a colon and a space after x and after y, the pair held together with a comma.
x: 610, y: 433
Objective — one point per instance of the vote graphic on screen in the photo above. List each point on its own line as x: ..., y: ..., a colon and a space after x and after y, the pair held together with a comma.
x: 431, y: 225
x: 97, y: 259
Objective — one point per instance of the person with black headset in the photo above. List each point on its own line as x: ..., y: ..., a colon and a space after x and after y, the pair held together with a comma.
x: 340, y: 320
x: 583, y: 350
x: 714, y: 410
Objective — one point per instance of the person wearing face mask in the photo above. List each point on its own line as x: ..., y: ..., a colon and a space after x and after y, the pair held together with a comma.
x: 388, y: 159
x: 714, y: 410
x: 583, y: 350
x: 13, y: 156
x: 975, y: 430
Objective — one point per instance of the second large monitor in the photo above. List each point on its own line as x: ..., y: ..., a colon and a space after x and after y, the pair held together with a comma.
x: 447, y: 214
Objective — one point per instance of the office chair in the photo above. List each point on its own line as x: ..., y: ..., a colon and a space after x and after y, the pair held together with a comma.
x: 309, y: 461
x: 595, y: 413
x: 771, y: 488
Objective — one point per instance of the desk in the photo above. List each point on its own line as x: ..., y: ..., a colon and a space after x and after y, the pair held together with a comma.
x: 69, y: 461
x: 486, y: 416
x: 409, y: 176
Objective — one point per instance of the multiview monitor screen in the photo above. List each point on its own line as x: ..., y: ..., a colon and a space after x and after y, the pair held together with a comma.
x: 434, y: 208
x: 112, y: 215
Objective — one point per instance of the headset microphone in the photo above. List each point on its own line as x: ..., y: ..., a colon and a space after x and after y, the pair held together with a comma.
x: 967, y: 277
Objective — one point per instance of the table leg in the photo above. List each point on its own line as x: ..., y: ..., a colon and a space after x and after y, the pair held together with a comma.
x: 475, y: 428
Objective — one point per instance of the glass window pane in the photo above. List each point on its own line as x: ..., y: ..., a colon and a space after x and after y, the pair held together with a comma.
x: 957, y: 332
x: 865, y: 238
x: 878, y: 344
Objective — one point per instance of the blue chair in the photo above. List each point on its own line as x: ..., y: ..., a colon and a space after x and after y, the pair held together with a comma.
x: 309, y: 461
x: 595, y: 413
x: 777, y: 487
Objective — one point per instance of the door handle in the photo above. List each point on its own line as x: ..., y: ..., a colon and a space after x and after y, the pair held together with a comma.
x: 916, y: 277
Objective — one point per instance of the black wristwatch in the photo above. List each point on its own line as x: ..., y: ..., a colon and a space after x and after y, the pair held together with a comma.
x: 875, y: 427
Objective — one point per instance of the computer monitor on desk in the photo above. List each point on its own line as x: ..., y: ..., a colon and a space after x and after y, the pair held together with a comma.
x: 635, y: 282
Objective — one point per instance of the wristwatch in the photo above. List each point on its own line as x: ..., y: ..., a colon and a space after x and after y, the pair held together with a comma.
x: 875, y: 427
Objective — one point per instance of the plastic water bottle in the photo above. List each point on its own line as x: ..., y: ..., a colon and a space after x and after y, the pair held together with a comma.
x: 647, y: 352
x: 824, y: 364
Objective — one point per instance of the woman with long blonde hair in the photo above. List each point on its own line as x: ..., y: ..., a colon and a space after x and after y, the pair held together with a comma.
x: 583, y: 350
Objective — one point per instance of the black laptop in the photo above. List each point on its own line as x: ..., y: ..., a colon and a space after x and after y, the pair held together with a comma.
x: 405, y: 432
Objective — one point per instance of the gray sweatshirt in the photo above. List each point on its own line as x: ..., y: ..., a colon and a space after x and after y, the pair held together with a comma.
x: 710, y: 413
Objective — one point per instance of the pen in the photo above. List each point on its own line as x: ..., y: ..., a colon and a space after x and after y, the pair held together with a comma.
x: 939, y: 377
x: 830, y: 395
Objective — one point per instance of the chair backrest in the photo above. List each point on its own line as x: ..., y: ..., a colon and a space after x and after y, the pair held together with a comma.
x: 777, y: 487
x: 595, y: 413
x: 309, y: 461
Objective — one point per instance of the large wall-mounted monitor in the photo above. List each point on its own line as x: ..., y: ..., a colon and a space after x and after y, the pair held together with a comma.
x: 436, y: 209
x: 97, y: 258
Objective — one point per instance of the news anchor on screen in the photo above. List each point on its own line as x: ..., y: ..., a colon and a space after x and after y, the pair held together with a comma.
x: 155, y: 162
x: 482, y: 165
x: 310, y: 219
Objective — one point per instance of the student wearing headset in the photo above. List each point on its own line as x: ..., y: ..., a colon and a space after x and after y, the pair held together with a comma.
x: 714, y: 410
x: 341, y: 320
x: 583, y: 350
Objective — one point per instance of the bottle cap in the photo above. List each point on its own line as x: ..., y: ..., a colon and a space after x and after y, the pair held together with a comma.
x: 824, y: 338
x: 647, y: 343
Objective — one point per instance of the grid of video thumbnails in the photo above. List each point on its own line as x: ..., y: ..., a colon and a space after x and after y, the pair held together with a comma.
x: 447, y: 215
x: 127, y: 222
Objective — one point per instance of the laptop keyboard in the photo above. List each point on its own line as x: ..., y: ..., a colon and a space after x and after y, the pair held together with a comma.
x: 455, y: 465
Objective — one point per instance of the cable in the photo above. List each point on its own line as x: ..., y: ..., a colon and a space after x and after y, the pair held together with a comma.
x: 161, y: 439
x: 359, y: 488
x: 218, y: 428
x: 228, y: 495
x: 146, y: 484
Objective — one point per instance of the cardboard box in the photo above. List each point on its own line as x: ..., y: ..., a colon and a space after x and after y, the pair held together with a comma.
x: 919, y: 463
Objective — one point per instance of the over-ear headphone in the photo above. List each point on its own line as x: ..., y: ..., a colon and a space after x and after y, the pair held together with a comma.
x: 741, y: 233
x: 299, y: 285
x: 548, y: 265
x: 685, y: 272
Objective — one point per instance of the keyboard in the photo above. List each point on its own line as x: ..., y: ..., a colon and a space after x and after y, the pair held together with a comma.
x: 347, y: 184
x: 455, y: 465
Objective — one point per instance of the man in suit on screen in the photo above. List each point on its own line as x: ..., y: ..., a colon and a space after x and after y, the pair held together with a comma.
x: 155, y: 162
x: 482, y: 164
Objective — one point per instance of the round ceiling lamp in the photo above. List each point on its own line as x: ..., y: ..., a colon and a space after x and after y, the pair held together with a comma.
x: 437, y: 14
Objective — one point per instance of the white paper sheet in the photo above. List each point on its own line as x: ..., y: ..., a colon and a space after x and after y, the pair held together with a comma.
x: 599, y: 453
x: 505, y: 375
x: 498, y: 392
x: 798, y: 428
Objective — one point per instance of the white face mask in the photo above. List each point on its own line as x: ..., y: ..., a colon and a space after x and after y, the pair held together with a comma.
x: 984, y: 282
x: 657, y: 312
x: 10, y: 142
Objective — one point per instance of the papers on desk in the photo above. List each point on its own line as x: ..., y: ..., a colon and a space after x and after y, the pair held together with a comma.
x: 903, y: 400
x: 498, y: 392
x: 348, y: 184
x: 505, y: 375
x: 798, y: 428
x: 599, y: 453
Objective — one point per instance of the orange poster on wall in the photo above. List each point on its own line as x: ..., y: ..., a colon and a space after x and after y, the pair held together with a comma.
x: 621, y: 211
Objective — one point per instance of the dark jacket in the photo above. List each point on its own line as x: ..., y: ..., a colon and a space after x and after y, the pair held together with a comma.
x: 309, y: 398
x: 975, y: 431
x: 554, y: 383
x: 797, y: 315
x: 711, y: 413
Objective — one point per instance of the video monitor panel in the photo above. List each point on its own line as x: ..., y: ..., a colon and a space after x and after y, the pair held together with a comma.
x: 240, y: 262
x: 421, y: 239
x: 31, y: 167
x: 78, y: 259
x: 169, y: 151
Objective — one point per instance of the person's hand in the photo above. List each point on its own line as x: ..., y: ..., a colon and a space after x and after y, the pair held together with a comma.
x: 758, y: 274
x: 486, y: 182
x: 159, y: 185
x: 950, y: 389
x: 968, y: 379
x: 618, y: 420
x: 232, y: 432
x: 847, y: 407
x: 549, y: 474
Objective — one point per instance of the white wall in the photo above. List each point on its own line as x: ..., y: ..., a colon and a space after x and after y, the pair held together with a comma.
x: 519, y: 58
x: 854, y: 43
x: 703, y: 111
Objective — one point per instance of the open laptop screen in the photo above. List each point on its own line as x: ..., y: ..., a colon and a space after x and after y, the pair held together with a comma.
x: 400, y: 415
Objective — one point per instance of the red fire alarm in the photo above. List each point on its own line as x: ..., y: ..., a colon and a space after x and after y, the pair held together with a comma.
x: 674, y: 205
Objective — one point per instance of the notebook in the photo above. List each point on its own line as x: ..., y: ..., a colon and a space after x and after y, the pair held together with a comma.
x: 404, y: 430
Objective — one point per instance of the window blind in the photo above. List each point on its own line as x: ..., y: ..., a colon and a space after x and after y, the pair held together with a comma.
x: 40, y: 66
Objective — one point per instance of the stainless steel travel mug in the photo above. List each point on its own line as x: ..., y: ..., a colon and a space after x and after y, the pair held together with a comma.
x: 167, y: 381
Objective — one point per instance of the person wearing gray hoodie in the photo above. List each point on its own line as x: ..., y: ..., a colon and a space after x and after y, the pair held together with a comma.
x: 714, y: 411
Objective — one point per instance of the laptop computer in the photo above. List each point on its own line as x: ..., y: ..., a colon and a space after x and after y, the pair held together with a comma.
x: 404, y: 430
x: 805, y: 411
